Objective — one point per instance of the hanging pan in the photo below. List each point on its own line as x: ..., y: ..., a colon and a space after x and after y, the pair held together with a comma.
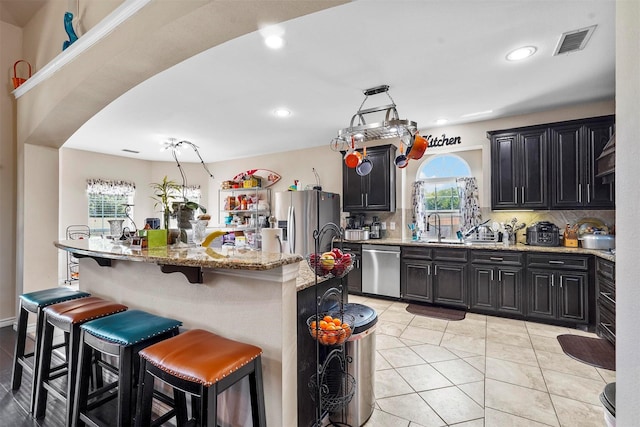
x: 401, y: 160
x: 365, y: 165
x: 351, y: 159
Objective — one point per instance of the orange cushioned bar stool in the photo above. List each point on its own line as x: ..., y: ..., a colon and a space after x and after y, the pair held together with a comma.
x: 35, y: 302
x: 203, y: 364
x: 66, y: 316
x: 121, y: 335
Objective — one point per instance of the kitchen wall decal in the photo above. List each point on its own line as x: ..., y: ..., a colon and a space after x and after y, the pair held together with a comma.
x: 434, y: 141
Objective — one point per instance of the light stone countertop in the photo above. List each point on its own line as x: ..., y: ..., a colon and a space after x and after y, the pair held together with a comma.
x: 189, y: 256
x: 491, y: 247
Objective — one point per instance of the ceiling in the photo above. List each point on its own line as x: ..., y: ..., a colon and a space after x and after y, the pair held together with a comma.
x: 19, y: 12
x: 441, y: 59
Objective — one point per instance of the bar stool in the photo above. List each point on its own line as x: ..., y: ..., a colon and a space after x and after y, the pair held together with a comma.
x: 203, y: 364
x: 66, y: 316
x: 35, y: 302
x: 121, y: 335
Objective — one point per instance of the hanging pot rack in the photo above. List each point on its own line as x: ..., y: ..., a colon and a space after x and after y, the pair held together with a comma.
x: 361, y: 131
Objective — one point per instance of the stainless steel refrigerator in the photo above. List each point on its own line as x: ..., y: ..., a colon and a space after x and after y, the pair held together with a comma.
x: 300, y: 213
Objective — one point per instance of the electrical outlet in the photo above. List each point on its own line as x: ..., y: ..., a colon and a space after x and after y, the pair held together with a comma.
x: 392, y: 225
x: 383, y: 225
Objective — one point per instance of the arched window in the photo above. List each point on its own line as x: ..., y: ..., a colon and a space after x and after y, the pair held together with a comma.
x: 437, y: 190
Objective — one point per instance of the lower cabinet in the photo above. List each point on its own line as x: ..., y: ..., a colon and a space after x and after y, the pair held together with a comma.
x: 434, y: 275
x: 558, y: 295
x: 497, y: 282
x: 354, y: 278
x: 606, y: 300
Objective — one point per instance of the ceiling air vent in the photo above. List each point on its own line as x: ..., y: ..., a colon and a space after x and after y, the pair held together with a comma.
x: 573, y: 41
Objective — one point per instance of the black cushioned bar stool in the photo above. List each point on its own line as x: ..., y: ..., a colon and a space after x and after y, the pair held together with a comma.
x: 203, y: 364
x: 121, y: 335
x: 35, y: 302
x: 66, y: 316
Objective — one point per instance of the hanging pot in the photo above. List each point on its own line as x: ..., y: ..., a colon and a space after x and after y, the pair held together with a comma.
x: 351, y: 159
x: 17, y: 81
x: 365, y: 165
x: 401, y: 160
x: 418, y: 147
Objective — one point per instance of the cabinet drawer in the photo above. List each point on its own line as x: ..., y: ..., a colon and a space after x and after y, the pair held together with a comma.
x: 455, y: 255
x: 606, y: 326
x: 492, y: 257
x: 416, y: 252
x: 354, y: 248
x: 558, y: 262
x: 605, y: 268
x: 606, y: 293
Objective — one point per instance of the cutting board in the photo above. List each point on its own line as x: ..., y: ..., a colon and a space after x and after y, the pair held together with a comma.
x: 269, y: 177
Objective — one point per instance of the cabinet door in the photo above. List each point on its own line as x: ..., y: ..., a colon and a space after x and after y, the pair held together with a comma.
x: 415, y: 280
x: 596, y: 136
x: 503, y: 171
x: 532, y: 165
x: 379, y: 182
x: 352, y: 190
x: 354, y: 278
x: 509, y: 286
x: 572, y: 298
x: 449, y: 284
x: 482, y: 295
x: 542, y: 294
x: 566, y: 174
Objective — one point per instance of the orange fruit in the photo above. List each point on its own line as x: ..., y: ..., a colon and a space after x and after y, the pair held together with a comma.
x: 327, y: 318
x: 323, y: 324
x: 337, y: 322
x: 313, y: 325
x: 331, y: 327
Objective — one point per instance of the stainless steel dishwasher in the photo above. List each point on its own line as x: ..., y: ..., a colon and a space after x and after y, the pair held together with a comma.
x: 381, y: 270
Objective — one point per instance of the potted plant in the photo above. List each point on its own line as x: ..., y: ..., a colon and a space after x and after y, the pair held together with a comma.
x: 164, y: 193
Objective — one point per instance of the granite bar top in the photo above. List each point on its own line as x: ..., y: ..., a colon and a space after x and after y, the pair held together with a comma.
x: 229, y: 258
x: 519, y: 247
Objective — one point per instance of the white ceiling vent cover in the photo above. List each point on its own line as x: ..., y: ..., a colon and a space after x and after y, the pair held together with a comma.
x: 573, y: 41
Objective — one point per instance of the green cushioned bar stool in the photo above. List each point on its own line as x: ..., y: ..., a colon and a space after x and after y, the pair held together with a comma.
x: 35, y: 302
x: 121, y: 335
x: 67, y: 316
x: 203, y: 364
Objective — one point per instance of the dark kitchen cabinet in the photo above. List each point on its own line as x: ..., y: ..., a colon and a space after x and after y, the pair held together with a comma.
x: 574, y: 148
x: 519, y: 169
x: 375, y: 191
x: 354, y: 278
x: 497, y: 282
x: 558, y: 288
x: 435, y: 275
x: 606, y: 300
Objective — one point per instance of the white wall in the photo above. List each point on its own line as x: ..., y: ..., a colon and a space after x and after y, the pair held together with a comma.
x: 628, y: 207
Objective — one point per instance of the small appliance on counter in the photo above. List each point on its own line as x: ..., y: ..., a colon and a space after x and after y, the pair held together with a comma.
x: 543, y: 233
x: 374, y: 230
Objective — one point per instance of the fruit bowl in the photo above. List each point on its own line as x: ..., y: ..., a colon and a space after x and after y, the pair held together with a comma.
x: 330, y: 264
x: 328, y: 332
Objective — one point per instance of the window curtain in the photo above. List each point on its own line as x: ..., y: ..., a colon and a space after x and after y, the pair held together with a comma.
x: 419, y: 204
x: 110, y: 187
x: 192, y: 193
x: 469, y: 204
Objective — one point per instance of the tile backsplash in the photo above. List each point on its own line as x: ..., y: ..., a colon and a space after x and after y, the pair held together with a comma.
x: 559, y: 218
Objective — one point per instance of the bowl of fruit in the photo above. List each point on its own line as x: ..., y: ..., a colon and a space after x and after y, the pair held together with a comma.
x: 331, y: 329
x: 333, y: 263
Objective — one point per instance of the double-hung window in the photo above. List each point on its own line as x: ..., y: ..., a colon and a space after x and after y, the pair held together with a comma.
x: 109, y: 200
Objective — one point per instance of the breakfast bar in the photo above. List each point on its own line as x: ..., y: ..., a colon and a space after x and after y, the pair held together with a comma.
x: 248, y: 296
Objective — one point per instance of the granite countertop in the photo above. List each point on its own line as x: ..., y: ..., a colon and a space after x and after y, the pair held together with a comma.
x: 190, y: 256
x: 520, y: 247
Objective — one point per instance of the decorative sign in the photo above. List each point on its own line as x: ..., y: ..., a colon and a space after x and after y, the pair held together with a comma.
x: 434, y: 141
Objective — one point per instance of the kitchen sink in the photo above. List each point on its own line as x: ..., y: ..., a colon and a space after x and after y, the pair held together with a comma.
x: 447, y: 241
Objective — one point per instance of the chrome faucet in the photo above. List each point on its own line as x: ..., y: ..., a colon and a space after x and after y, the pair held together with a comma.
x: 437, y: 225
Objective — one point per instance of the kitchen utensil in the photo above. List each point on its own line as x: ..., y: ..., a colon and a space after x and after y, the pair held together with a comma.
x: 365, y: 165
x: 598, y: 241
x: 590, y: 226
x: 401, y: 160
x: 418, y: 147
x: 351, y: 159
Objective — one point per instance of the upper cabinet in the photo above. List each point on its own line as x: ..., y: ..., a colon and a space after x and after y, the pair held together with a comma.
x: 519, y: 169
x: 375, y: 191
x: 550, y: 166
x: 575, y: 146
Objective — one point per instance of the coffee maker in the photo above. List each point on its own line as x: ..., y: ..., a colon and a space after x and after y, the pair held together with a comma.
x: 375, y: 232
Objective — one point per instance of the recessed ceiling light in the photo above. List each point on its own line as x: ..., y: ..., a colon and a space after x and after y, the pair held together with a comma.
x: 282, y: 112
x: 441, y: 121
x: 521, y: 53
x: 274, y: 42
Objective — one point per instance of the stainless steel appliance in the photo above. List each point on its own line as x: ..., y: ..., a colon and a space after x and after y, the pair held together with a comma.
x: 300, y: 213
x: 381, y: 270
x: 543, y: 233
x: 375, y: 229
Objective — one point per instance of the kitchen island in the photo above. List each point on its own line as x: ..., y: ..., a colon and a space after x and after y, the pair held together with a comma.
x: 249, y: 296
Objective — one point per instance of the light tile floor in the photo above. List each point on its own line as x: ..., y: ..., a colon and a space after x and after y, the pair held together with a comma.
x: 482, y: 371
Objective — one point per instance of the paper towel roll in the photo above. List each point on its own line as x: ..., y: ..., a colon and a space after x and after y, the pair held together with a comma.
x: 271, y: 238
